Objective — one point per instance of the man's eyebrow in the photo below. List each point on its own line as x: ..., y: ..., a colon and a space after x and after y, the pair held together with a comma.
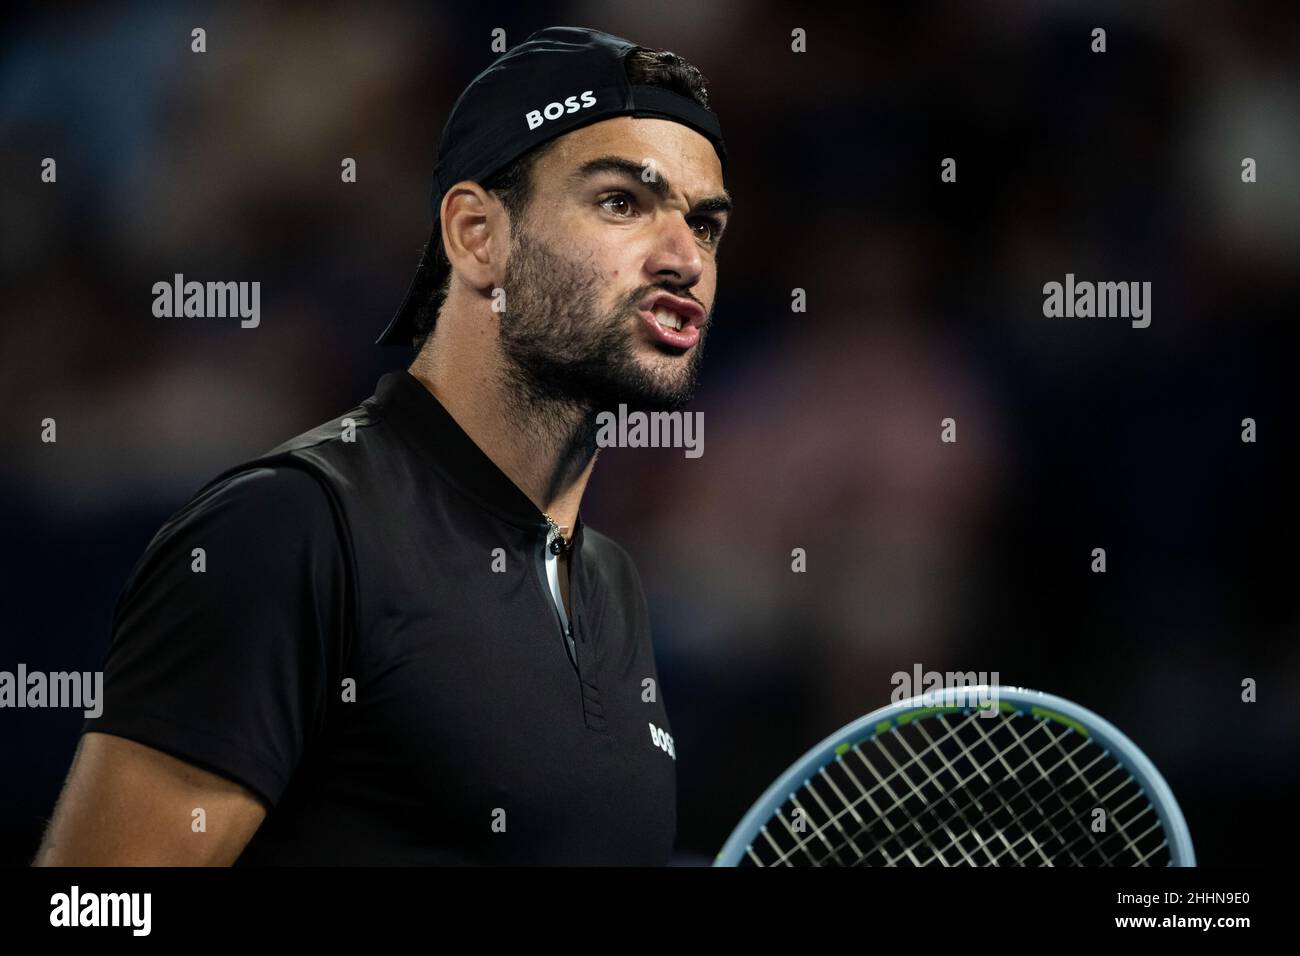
x: 659, y: 186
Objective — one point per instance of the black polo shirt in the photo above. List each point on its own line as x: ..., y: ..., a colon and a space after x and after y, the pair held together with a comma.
x: 367, y: 641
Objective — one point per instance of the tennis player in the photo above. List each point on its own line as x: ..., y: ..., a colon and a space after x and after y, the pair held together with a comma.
x: 392, y: 639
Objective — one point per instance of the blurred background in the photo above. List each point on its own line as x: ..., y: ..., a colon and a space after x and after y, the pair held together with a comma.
x: 822, y: 428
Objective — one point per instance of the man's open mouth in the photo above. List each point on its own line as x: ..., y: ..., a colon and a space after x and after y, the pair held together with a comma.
x: 672, y: 321
x: 668, y: 318
x: 670, y: 329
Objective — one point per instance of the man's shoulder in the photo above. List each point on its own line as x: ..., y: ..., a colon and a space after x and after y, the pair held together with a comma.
x: 254, y: 501
x: 313, y: 464
x: 257, y: 534
x: 352, y: 426
x: 276, y: 487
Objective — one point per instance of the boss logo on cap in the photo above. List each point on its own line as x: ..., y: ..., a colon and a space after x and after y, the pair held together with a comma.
x: 555, y: 110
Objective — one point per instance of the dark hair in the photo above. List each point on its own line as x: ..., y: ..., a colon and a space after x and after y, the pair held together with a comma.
x: 514, y: 184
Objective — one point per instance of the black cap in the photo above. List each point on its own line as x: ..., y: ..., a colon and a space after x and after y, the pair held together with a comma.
x: 556, y: 81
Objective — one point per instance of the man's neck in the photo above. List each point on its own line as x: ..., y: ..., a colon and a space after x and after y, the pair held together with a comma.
x: 544, y: 448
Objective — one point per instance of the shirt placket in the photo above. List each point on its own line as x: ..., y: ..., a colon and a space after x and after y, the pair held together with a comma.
x: 578, y: 644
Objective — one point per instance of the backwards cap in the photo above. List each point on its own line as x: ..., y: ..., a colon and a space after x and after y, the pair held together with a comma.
x: 556, y: 81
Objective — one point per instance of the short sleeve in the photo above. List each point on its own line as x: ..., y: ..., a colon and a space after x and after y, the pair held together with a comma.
x: 228, y: 633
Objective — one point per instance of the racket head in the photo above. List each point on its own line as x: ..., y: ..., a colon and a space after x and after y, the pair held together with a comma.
x: 1014, y: 703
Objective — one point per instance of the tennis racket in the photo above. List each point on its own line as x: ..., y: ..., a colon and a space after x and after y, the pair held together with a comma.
x: 970, y: 776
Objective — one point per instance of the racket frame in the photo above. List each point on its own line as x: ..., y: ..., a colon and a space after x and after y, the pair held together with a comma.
x: 1034, y: 703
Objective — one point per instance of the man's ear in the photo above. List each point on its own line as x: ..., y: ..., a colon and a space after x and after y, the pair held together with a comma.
x: 469, y: 216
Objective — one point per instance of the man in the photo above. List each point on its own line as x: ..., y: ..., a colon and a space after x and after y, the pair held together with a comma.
x: 392, y: 640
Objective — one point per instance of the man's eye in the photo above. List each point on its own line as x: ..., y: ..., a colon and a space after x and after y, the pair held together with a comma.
x: 617, y: 198
x: 713, y: 231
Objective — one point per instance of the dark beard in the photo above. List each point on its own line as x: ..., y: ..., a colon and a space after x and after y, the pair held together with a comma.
x: 563, y: 357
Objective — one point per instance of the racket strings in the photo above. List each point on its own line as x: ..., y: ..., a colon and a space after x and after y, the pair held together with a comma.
x: 948, y: 765
x: 1113, y: 813
x: 899, y: 807
x: 881, y: 816
x: 907, y: 819
x: 981, y: 793
x: 1037, y: 853
x: 1013, y: 775
x: 941, y: 851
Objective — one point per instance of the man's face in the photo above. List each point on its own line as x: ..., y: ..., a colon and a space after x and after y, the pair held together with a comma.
x: 621, y: 211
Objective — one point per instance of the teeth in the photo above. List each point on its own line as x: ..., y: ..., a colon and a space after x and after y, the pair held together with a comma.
x: 668, y: 319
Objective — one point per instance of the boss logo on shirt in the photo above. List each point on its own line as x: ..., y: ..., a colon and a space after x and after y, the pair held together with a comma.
x: 555, y: 110
x: 663, y: 740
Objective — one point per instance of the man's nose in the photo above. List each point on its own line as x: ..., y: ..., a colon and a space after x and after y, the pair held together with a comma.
x: 676, y: 251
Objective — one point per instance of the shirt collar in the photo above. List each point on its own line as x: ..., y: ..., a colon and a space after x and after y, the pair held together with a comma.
x: 403, y: 399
